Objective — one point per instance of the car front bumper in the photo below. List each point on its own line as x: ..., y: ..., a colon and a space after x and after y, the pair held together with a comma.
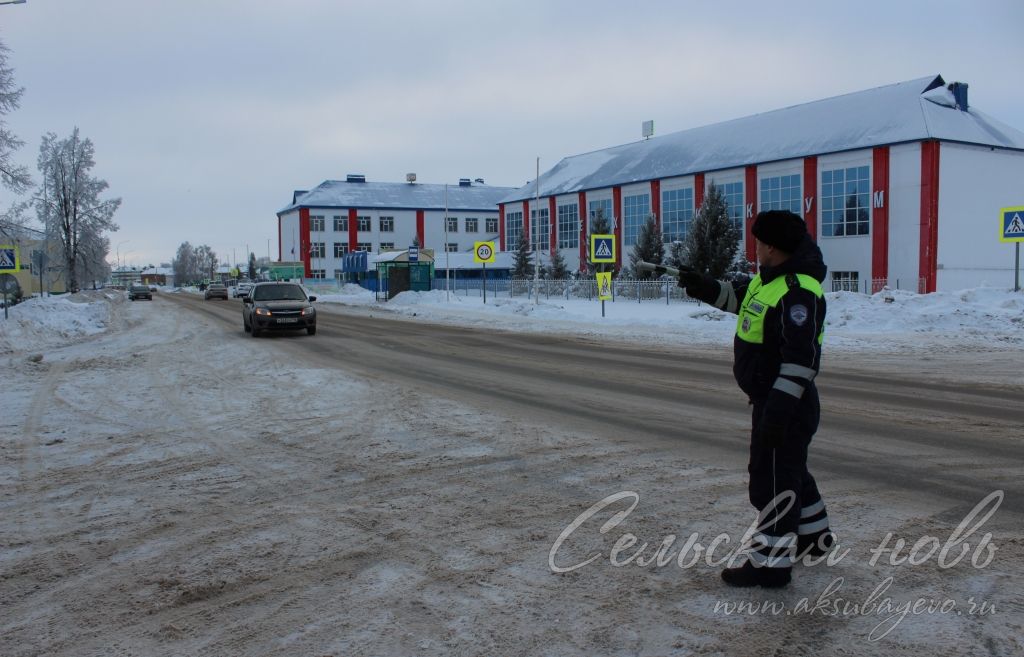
x: 272, y: 323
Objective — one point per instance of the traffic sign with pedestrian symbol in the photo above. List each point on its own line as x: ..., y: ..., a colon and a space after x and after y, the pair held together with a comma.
x: 1012, y: 224
x: 483, y: 252
x: 9, y: 260
x: 602, y: 248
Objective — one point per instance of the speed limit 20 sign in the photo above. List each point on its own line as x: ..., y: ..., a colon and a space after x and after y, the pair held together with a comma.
x: 483, y: 252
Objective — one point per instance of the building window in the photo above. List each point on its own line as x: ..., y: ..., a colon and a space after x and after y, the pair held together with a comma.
x: 569, y: 226
x: 338, y: 274
x: 733, y: 195
x: 364, y: 224
x: 387, y: 246
x: 635, y: 210
x: 676, y: 213
x: 845, y: 281
x: 513, y: 229
x: 845, y: 198
x: 340, y: 224
x: 340, y: 249
x: 387, y: 224
x: 452, y: 247
x: 317, y: 250
x: 472, y: 225
x: 781, y: 193
x: 453, y: 224
x: 316, y: 223
x: 491, y: 225
x: 318, y: 273
x: 364, y: 246
x: 540, y: 230
x: 604, y: 207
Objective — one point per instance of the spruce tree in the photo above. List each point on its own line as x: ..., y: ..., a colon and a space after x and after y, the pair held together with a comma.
x: 649, y: 247
x: 599, y: 225
x: 558, y: 270
x: 522, y: 265
x: 712, y: 241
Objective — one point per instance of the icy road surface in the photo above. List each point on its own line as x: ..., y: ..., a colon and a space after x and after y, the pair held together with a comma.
x: 172, y: 486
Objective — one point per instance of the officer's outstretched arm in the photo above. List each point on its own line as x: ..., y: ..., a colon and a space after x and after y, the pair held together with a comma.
x: 724, y: 295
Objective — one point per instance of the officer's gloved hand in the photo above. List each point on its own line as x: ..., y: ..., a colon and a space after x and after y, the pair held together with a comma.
x: 690, y: 280
x: 772, y: 432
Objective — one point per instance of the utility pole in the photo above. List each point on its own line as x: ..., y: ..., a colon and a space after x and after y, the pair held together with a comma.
x: 536, y: 233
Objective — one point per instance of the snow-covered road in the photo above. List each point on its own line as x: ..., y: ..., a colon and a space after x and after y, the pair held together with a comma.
x: 172, y: 487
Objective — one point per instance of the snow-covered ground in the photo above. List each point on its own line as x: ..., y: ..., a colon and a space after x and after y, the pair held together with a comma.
x: 888, y: 322
x: 164, y: 496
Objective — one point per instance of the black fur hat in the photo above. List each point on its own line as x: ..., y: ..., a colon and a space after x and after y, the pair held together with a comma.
x: 779, y: 228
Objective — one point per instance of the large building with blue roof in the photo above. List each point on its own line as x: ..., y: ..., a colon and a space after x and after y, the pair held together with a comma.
x: 901, y: 185
x: 320, y: 226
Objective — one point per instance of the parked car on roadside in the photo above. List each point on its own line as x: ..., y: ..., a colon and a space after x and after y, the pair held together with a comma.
x: 215, y: 291
x: 276, y: 307
x: 136, y: 292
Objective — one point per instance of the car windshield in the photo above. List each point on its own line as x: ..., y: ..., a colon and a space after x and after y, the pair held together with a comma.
x: 275, y: 292
x: 140, y: 288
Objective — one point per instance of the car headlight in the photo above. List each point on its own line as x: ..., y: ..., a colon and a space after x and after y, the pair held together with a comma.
x: 263, y: 311
x: 308, y: 311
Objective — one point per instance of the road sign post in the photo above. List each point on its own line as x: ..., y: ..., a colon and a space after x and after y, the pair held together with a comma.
x: 1011, y: 229
x: 483, y: 252
x: 602, y: 252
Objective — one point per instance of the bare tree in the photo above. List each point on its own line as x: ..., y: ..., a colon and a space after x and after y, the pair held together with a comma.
x: 69, y: 203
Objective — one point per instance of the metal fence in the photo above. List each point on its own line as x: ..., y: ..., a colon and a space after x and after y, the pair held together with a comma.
x: 876, y: 285
x: 623, y: 289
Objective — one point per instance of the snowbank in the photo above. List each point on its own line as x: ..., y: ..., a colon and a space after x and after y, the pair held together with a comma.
x: 51, y: 321
x: 977, y: 318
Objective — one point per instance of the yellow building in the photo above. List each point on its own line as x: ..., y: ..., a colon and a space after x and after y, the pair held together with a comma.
x: 32, y: 246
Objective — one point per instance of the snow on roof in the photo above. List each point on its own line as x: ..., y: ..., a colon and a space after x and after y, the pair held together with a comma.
x: 413, y: 196
x: 158, y: 271
x: 897, y: 113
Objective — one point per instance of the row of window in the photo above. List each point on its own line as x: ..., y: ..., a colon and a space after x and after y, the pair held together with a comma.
x: 319, y: 249
x: 845, y: 209
x: 317, y: 223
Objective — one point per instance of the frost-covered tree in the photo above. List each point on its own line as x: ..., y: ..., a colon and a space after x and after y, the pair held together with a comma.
x: 69, y: 203
x: 92, y: 258
x: 184, y: 264
x: 712, y: 241
x: 12, y: 176
x: 206, y: 262
x: 522, y: 262
x: 649, y: 247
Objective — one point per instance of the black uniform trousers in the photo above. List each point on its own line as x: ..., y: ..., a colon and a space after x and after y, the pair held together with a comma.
x: 775, y: 471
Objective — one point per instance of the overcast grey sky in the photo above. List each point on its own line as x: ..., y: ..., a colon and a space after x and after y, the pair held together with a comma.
x: 207, y: 114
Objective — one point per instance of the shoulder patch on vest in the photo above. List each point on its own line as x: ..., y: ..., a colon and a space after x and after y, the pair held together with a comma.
x: 798, y: 314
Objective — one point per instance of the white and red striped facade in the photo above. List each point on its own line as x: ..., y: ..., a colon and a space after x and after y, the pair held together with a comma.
x: 935, y: 192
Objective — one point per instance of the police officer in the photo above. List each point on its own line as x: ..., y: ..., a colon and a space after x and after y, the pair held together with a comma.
x: 779, y: 330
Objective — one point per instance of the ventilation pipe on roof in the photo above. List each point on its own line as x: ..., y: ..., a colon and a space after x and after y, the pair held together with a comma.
x: 959, y: 90
x: 355, y: 177
x: 464, y: 182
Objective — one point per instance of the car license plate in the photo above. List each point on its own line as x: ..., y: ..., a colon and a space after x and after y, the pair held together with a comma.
x: 287, y: 320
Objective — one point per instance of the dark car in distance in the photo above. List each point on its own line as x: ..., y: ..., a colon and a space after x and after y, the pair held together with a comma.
x: 139, y: 292
x: 216, y: 291
x: 278, y: 307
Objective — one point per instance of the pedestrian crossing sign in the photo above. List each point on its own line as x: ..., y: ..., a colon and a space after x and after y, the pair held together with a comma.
x: 1011, y: 224
x: 602, y: 248
x: 10, y: 263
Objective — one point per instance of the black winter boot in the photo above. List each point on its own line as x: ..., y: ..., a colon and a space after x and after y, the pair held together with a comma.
x: 749, y: 575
